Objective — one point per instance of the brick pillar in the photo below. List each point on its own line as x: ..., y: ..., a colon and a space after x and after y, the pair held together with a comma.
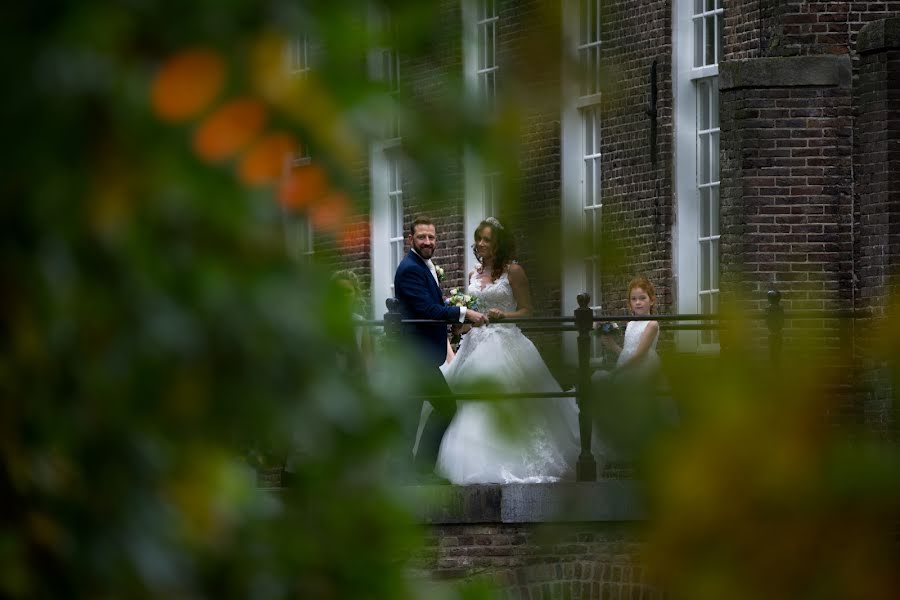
x: 786, y: 192
x: 876, y: 157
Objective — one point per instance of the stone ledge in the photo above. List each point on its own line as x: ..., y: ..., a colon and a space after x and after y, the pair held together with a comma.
x: 785, y: 71
x: 611, y: 500
x: 879, y: 35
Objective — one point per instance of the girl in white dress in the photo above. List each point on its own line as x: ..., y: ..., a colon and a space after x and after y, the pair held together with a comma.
x: 627, y: 410
x: 637, y: 356
x: 505, y: 441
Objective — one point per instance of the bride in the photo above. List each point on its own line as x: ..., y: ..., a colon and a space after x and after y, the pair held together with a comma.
x: 506, y: 441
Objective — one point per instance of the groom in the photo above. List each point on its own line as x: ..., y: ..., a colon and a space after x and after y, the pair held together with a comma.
x: 416, y: 287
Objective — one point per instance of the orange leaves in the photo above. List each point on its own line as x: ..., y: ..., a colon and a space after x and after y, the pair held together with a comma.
x: 308, y: 188
x: 302, y: 186
x: 187, y: 83
x: 186, y: 87
x: 264, y: 160
x: 229, y: 129
x: 330, y: 212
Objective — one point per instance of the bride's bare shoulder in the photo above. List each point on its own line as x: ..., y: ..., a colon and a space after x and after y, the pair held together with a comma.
x: 515, y: 272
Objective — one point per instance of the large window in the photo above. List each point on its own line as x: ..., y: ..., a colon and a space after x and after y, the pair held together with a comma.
x: 395, y: 204
x: 386, y: 168
x: 298, y: 230
x: 481, y: 29
x: 486, y: 22
x: 582, y: 155
x: 698, y: 49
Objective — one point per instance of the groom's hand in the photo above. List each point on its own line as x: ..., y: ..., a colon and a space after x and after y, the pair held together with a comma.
x: 476, y: 318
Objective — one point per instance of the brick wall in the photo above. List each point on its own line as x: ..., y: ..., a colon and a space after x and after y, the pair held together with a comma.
x: 540, y: 561
x: 427, y: 76
x: 804, y: 28
x: 877, y: 170
x: 786, y: 196
x: 637, y: 195
x: 742, y: 36
x: 535, y: 541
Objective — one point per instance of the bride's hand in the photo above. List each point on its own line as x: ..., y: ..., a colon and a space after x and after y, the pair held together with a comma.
x: 495, y: 314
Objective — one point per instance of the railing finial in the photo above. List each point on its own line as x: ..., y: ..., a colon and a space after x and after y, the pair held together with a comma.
x: 584, y: 300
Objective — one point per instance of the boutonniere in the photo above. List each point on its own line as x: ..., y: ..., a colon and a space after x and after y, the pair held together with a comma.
x: 440, y: 272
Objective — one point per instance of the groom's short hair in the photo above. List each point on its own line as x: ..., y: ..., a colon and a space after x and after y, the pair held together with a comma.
x: 417, y: 222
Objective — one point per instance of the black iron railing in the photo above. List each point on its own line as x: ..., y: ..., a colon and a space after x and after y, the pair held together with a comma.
x: 582, y: 322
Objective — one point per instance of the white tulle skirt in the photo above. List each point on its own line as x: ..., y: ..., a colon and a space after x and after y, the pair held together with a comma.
x: 506, y: 441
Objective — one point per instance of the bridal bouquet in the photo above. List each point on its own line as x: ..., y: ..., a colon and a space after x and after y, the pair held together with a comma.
x: 458, y: 298
x: 607, y: 328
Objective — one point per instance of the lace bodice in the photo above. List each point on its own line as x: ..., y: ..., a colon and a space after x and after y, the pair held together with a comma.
x: 498, y: 294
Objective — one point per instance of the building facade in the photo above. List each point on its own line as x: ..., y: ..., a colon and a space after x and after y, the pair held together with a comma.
x: 720, y: 148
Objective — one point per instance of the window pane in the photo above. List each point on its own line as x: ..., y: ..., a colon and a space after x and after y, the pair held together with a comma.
x: 710, y: 4
x: 489, y: 33
x: 705, y: 304
x: 710, y: 40
x: 698, y: 6
x: 595, y: 199
x: 584, y: 22
x: 714, y: 156
x: 698, y: 42
x: 588, y: 119
x: 714, y: 102
x: 396, y: 219
x: 714, y: 210
x: 589, y: 232
x: 703, y: 104
x: 704, y: 212
x: 718, y: 39
x: 703, y: 158
x: 589, y: 276
x: 704, y: 266
x: 714, y: 264
x: 588, y: 183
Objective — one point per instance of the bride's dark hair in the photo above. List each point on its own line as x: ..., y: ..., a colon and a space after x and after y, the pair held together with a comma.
x: 504, y: 245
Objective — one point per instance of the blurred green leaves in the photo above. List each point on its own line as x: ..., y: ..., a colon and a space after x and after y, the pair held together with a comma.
x: 154, y: 332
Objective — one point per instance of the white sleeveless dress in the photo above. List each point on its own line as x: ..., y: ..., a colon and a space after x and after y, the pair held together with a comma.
x: 506, y: 441
x: 649, y: 365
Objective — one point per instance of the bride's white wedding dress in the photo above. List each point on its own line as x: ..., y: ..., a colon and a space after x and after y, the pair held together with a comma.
x: 508, y: 441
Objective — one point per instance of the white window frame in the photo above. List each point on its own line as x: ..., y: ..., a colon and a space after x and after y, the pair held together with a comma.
x: 483, y: 184
x: 386, y: 168
x: 582, y: 159
x: 688, y: 74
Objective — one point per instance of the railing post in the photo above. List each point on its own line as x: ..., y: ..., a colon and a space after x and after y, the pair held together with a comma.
x: 586, y: 469
x: 392, y: 321
x: 775, y: 321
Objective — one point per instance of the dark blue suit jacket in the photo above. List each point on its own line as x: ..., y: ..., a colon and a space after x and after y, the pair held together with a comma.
x: 420, y: 298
